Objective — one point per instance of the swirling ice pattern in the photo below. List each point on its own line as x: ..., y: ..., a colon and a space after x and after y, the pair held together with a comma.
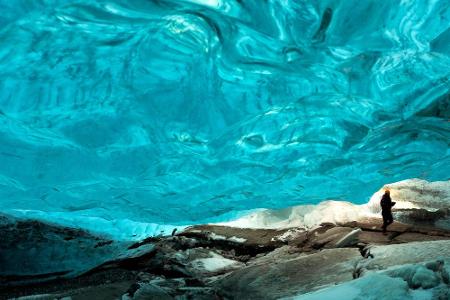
x: 178, y: 111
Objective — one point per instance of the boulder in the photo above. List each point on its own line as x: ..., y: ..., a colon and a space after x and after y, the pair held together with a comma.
x: 287, y: 277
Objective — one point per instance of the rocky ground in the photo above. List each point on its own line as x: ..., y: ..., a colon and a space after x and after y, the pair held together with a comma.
x: 222, y: 262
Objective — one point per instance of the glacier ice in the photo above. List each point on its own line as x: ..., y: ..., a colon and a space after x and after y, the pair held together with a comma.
x: 406, y: 271
x: 174, y: 112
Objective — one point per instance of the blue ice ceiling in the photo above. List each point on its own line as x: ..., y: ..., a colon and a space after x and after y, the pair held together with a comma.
x: 178, y: 111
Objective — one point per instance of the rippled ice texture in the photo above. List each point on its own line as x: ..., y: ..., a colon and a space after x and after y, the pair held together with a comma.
x: 178, y: 111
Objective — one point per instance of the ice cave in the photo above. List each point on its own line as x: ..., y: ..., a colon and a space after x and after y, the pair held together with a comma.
x: 224, y: 149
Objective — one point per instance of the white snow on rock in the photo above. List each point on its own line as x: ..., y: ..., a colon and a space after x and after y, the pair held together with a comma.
x: 215, y: 263
x: 304, y: 216
x: 215, y: 236
x: 415, y: 193
x: 237, y: 239
x: 288, y: 235
x: 411, y: 193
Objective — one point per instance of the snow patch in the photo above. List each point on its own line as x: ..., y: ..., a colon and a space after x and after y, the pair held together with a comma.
x: 303, y: 216
x: 415, y: 193
x: 411, y: 193
x: 288, y: 235
x: 214, y: 263
x: 235, y: 239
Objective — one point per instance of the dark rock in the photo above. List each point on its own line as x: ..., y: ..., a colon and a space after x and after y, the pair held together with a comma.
x: 373, y: 237
x: 421, y: 216
x: 134, y: 259
x: 149, y: 240
x: 133, y: 288
x: 374, y: 224
x: 327, y: 237
x: 34, y: 251
x: 413, y: 237
x: 103, y: 243
x: 199, y: 293
x: 244, y: 241
x: 299, y: 240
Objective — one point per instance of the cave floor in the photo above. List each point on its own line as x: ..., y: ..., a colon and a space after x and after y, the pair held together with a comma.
x: 221, y: 262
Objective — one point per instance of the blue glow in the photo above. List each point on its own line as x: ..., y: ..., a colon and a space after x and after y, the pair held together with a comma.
x: 180, y: 111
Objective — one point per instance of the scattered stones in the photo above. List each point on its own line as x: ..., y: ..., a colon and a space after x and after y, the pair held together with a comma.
x: 220, y: 262
x: 243, y: 241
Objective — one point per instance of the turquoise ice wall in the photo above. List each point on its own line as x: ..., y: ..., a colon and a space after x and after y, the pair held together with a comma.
x: 177, y: 111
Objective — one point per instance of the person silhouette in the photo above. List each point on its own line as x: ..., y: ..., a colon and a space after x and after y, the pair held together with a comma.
x: 386, y: 206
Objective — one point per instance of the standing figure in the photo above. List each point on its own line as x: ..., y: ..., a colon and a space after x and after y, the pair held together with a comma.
x: 386, y: 206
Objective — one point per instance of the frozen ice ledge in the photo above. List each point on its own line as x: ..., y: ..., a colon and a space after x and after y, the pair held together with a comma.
x: 411, y: 195
x: 334, y: 249
x: 34, y: 250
